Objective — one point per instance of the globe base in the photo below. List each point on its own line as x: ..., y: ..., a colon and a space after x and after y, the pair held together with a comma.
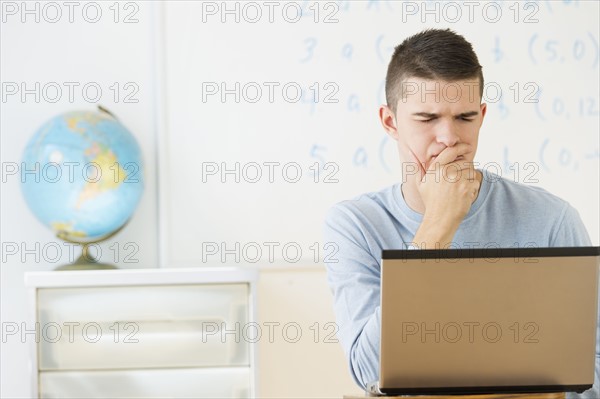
x: 89, y: 266
x: 87, y: 262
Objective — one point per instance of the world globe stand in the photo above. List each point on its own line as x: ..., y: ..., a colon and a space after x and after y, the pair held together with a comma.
x: 87, y: 261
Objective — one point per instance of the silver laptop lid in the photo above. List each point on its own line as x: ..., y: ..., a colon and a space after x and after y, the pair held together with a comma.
x: 483, y: 321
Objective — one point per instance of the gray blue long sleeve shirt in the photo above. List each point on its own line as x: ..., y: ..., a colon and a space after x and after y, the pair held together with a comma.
x: 505, y: 214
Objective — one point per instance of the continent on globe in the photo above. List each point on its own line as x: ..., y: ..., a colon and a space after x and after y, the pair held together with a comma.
x: 68, y: 228
x: 111, y: 173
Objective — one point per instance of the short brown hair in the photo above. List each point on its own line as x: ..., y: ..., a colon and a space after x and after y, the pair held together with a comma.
x: 433, y: 54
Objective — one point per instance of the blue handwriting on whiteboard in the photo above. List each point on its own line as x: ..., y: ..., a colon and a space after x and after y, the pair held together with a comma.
x: 583, y: 49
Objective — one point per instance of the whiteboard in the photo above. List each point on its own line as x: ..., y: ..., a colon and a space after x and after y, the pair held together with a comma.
x: 271, y: 113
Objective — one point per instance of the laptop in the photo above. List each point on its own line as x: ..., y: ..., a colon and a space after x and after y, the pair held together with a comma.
x: 477, y: 321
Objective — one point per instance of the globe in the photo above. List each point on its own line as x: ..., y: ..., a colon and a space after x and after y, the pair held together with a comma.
x: 82, y: 175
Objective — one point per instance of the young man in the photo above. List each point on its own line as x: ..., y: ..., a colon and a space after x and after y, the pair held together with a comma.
x: 434, y: 112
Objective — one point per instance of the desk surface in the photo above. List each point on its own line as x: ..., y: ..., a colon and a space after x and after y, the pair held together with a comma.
x: 554, y: 395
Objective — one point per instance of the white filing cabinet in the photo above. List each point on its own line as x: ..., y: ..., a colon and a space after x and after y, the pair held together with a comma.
x: 168, y: 333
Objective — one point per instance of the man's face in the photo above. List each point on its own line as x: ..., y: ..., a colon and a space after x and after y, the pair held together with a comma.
x: 435, y: 115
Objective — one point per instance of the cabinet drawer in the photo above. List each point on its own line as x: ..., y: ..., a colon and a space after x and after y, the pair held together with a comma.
x: 169, y: 383
x: 143, y: 326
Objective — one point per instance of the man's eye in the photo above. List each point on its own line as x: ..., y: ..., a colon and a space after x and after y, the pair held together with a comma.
x: 467, y: 119
x: 426, y: 120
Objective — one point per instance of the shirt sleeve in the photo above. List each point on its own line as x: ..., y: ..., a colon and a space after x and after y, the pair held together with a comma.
x: 353, y: 275
x: 571, y: 232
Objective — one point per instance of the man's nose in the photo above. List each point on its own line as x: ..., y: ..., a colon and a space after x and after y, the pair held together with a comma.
x: 447, y: 134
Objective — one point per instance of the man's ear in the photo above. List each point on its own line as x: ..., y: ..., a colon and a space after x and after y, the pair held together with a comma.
x: 483, y: 112
x: 388, y: 121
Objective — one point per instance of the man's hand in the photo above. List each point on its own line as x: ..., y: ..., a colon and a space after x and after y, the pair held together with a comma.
x: 448, y: 188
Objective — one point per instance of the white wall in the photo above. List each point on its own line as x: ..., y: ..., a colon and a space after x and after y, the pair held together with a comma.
x: 107, y: 52
x: 104, y: 52
x: 550, y: 51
